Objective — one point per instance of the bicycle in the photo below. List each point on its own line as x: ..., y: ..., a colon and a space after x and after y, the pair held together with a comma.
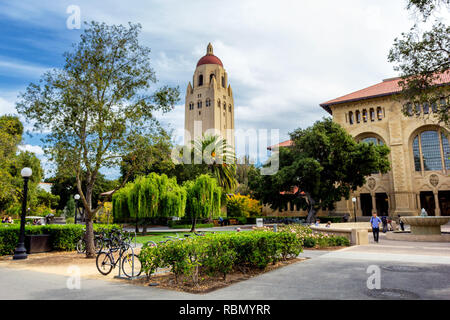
x: 98, y: 244
x: 131, y: 265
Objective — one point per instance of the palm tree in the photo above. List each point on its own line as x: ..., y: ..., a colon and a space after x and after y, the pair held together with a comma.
x: 219, y: 158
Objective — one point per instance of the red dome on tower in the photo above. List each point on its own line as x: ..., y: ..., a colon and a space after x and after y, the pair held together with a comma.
x: 209, y: 58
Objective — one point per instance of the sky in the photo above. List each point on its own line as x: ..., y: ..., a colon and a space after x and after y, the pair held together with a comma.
x: 283, y: 58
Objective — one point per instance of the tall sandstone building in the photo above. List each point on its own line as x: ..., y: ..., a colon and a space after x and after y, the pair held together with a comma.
x: 209, y: 102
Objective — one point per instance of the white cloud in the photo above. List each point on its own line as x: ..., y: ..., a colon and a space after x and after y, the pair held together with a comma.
x: 283, y: 58
x: 7, y: 106
x: 37, y: 150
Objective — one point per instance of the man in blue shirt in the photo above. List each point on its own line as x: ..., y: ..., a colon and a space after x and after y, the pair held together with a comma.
x: 375, y: 223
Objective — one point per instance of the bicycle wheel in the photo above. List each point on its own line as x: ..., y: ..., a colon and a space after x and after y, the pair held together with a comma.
x: 104, y: 263
x: 98, y: 245
x: 81, y: 246
x: 150, y: 244
x: 131, y: 265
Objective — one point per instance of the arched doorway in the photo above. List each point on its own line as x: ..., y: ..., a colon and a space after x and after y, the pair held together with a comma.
x: 427, y: 202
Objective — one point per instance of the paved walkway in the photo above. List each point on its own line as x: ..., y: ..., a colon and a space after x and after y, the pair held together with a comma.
x: 408, y: 270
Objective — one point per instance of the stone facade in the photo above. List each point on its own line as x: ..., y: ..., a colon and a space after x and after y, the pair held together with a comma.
x: 209, y: 104
x: 409, y: 186
x: 420, y: 154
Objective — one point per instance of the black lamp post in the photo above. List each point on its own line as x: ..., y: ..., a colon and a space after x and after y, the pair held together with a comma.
x: 354, y: 207
x: 76, y: 197
x: 20, y: 252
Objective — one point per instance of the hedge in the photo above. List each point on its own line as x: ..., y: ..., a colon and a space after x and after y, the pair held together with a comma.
x: 62, y: 237
x: 189, y: 226
x: 219, y: 254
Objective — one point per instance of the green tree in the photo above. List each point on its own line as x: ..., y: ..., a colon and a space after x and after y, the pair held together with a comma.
x: 98, y: 108
x: 65, y: 186
x: 158, y: 160
x: 11, y: 130
x: 151, y: 196
x: 322, y: 167
x: 423, y: 57
x: 217, y: 156
x: 203, y: 198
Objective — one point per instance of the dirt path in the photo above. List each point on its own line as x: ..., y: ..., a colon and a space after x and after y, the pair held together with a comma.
x: 60, y: 263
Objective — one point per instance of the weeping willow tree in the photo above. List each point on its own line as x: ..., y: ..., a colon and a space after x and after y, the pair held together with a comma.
x: 203, y: 198
x: 152, y: 196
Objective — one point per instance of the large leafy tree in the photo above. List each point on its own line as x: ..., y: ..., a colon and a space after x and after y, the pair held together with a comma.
x: 65, y: 186
x: 12, y: 160
x: 98, y: 108
x: 158, y: 160
x: 422, y: 57
x: 323, y: 166
x: 11, y: 131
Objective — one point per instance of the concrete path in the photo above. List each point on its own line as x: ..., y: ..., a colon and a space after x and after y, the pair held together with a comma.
x: 407, y: 271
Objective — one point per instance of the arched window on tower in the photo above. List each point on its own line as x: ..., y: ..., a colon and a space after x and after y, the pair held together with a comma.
x: 218, y: 103
x: 191, y: 106
x: 350, y: 117
x: 208, y: 102
x: 200, y: 80
x: 358, y: 116
x: 229, y: 108
x: 211, y: 76
x: 426, y: 108
x: 199, y: 105
x: 224, y: 106
x: 223, y: 81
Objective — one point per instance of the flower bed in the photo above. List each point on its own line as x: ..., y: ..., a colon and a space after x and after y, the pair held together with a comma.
x: 309, y: 238
x: 217, y: 255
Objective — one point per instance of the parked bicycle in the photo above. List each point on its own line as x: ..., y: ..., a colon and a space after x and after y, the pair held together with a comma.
x: 98, y: 243
x: 118, y: 254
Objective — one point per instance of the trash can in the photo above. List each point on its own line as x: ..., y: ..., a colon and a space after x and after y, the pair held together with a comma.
x: 37, y: 243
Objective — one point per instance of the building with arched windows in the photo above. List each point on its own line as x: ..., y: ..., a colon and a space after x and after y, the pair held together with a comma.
x: 209, y: 102
x: 420, y: 151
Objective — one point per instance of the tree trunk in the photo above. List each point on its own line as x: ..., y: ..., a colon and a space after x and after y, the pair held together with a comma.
x: 89, y: 236
x: 311, y: 218
x: 144, y: 228
x: 88, y: 216
x: 194, y: 221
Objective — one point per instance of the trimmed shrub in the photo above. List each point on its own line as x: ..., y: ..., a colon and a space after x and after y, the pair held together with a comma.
x: 63, y: 237
x: 220, y: 253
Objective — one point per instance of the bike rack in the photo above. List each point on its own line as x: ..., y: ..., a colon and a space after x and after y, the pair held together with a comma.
x: 120, y: 276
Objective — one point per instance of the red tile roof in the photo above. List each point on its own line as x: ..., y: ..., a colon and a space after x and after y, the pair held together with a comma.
x: 384, y: 88
x: 286, y: 143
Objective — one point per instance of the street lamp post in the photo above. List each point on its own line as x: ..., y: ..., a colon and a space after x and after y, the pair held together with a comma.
x: 20, y: 252
x: 354, y: 207
x: 77, y: 197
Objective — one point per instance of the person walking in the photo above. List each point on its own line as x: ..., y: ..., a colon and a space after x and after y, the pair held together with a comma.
x: 375, y: 223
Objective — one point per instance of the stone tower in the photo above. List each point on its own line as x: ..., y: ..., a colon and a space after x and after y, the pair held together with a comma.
x: 209, y: 105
